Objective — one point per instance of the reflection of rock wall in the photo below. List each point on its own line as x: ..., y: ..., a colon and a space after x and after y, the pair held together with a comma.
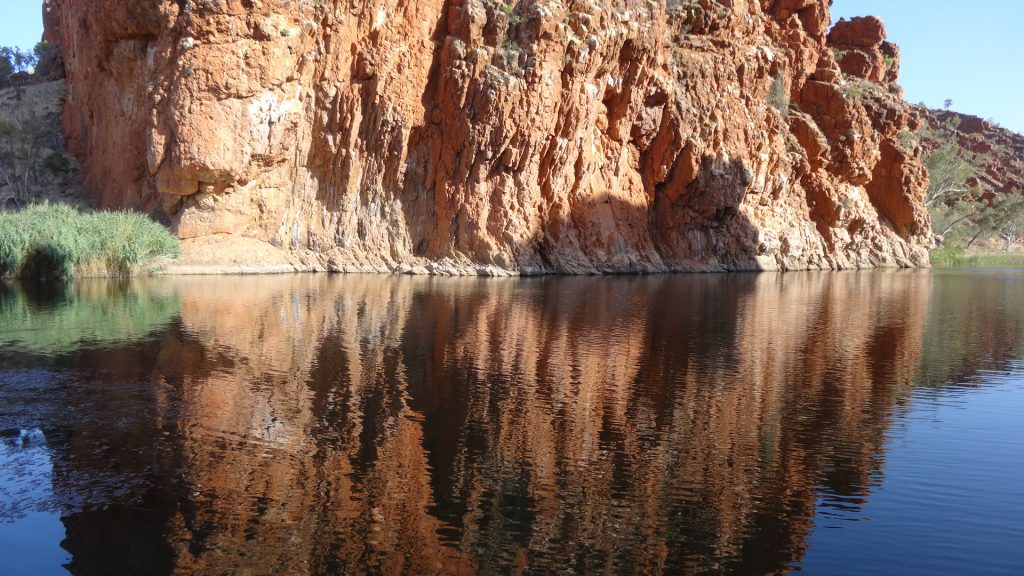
x: 360, y: 422
x: 279, y: 427
x: 530, y: 136
x: 674, y: 409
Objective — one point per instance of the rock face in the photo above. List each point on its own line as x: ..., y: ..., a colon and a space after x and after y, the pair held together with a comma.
x: 527, y: 137
x: 860, y: 48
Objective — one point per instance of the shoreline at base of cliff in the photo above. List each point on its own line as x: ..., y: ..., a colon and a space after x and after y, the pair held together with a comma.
x: 977, y: 259
x: 228, y: 254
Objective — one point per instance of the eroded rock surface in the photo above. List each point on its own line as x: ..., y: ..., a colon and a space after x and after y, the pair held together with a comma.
x: 466, y: 136
x: 860, y: 48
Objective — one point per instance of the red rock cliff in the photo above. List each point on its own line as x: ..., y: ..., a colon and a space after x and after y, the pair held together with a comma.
x: 526, y: 136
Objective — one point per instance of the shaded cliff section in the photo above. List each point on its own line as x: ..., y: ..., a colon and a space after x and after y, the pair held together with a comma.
x: 489, y: 136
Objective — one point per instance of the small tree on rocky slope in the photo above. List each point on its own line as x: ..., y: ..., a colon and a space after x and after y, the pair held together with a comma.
x: 15, y: 68
x: 1011, y: 225
x: 6, y: 69
x: 948, y: 173
x: 21, y: 154
x: 950, y: 201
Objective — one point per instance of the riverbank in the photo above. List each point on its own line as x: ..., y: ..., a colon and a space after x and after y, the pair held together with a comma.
x: 225, y: 254
x: 958, y: 258
x: 61, y: 241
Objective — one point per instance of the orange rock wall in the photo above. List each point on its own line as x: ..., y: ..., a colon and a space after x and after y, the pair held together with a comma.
x: 459, y: 135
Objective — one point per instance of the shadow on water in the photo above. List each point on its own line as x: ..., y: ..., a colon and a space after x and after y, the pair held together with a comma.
x: 687, y: 424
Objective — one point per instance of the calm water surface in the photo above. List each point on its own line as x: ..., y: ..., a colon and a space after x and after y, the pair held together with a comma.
x: 830, y: 423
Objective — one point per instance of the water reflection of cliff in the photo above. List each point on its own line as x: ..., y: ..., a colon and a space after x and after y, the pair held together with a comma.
x: 677, y: 424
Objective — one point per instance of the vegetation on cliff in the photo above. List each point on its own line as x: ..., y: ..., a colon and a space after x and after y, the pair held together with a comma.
x: 55, y: 240
x: 975, y: 196
x: 34, y: 165
x: 26, y: 162
x: 18, y: 68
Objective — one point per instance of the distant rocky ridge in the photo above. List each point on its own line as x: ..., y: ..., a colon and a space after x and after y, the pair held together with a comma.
x: 480, y: 136
x: 1000, y: 151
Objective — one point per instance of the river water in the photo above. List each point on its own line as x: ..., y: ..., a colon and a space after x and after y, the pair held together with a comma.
x: 830, y: 423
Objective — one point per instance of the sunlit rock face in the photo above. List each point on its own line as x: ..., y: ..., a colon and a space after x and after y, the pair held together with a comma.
x: 535, y: 136
x: 859, y: 46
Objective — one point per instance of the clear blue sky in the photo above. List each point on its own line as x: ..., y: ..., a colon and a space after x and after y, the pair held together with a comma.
x: 21, y: 23
x: 969, y: 52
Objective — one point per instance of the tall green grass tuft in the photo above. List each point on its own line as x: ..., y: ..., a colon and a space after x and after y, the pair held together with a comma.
x: 56, y: 240
x: 950, y: 256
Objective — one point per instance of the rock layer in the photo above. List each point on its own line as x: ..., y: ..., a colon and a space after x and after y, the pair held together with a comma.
x: 465, y: 135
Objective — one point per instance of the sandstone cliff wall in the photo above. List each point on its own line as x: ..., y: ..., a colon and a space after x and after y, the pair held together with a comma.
x: 489, y: 135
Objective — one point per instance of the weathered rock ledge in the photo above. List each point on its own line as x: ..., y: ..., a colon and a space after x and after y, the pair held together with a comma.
x: 528, y: 137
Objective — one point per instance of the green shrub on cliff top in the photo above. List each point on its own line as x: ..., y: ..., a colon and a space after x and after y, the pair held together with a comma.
x: 56, y: 240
